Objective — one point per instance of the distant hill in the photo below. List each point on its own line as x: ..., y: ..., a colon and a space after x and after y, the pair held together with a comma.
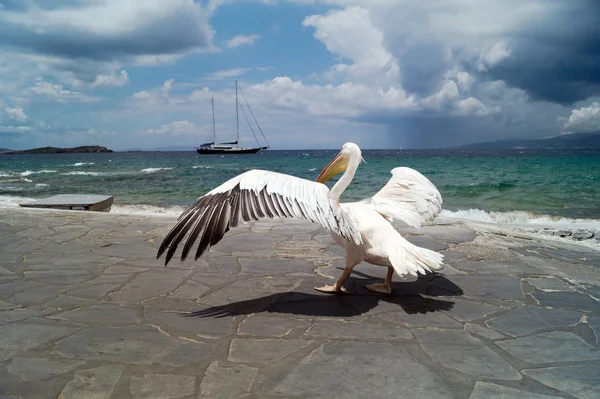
x: 56, y: 150
x: 4, y: 150
x: 565, y: 141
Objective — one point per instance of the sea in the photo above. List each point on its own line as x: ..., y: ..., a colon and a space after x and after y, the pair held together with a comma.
x: 558, y: 188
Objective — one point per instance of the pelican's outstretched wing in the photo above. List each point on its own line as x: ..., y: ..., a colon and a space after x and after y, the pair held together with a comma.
x: 408, y: 196
x: 255, y: 195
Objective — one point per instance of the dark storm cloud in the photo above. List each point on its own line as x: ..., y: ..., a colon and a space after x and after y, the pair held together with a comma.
x: 448, y: 132
x: 171, y: 31
x: 556, y: 57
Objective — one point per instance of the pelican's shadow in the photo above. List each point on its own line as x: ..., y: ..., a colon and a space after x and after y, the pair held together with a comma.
x: 412, y: 296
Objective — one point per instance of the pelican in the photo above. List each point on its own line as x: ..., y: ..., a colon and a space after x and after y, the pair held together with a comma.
x: 363, y: 228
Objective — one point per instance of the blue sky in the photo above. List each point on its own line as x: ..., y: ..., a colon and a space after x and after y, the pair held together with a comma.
x: 317, y: 73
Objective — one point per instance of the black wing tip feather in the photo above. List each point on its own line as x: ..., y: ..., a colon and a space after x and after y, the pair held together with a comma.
x: 211, y: 216
x: 208, y: 220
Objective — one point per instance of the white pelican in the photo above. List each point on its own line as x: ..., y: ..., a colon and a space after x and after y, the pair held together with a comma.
x: 363, y: 228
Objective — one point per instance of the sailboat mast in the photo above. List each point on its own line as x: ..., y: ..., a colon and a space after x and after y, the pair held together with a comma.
x: 213, y: 117
x: 237, y: 120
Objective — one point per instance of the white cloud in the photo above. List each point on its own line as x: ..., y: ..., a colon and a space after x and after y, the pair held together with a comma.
x: 15, y: 129
x: 493, y: 56
x: 175, y: 128
x: 351, y: 34
x: 112, y: 79
x: 240, y: 40
x: 584, y: 119
x: 43, y: 90
x: 16, y: 113
x: 228, y: 73
x: 142, y: 95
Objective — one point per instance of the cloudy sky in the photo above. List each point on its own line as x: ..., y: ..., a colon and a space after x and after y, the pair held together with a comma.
x: 382, y: 73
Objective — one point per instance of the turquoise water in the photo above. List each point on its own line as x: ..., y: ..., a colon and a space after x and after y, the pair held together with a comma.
x: 543, y: 182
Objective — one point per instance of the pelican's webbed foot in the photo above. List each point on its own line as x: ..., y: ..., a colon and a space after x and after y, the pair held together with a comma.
x: 332, y: 289
x: 382, y: 288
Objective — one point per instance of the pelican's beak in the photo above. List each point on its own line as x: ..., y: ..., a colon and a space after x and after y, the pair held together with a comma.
x: 337, y: 165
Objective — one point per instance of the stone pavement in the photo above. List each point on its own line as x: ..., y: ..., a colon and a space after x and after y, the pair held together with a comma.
x: 86, y: 311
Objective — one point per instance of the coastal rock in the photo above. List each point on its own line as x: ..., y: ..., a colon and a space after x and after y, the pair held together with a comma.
x: 582, y: 234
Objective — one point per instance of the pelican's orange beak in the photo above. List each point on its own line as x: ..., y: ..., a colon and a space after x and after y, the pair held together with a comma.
x: 337, y: 165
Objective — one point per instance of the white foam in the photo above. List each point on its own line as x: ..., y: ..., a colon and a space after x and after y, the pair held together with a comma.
x: 82, y: 163
x: 520, y: 218
x: 31, y: 172
x: 12, y: 201
x: 38, y: 185
x: 150, y: 210
x: 5, y: 174
x: 80, y: 173
x: 550, y: 227
x: 203, y: 167
x: 154, y: 170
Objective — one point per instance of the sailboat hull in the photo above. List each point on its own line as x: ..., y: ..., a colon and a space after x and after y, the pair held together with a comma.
x: 234, y: 150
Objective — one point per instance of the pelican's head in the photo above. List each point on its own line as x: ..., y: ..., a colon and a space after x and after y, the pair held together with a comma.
x: 349, y: 155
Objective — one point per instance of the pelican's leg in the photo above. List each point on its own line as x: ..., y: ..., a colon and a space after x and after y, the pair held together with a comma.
x: 384, y: 288
x: 337, y: 287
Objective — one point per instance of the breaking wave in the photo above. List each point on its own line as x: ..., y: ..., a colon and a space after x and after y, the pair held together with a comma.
x: 154, y: 170
x: 32, y: 172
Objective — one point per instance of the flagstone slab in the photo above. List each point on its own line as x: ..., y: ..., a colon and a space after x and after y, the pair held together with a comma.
x: 59, y: 277
x: 150, y: 284
x: 271, y: 326
x: 36, y: 369
x: 385, y: 371
x: 96, y: 383
x: 527, y: 319
x: 498, y: 268
x: 247, y: 242
x: 581, y: 381
x: 161, y: 386
x: 555, y: 346
x: 352, y: 330
x: 492, y: 287
x: 549, y: 284
x: 19, y: 337
x: 239, y: 380
x: 190, y: 290
x: 426, y: 242
x: 469, y: 310
x: 449, y: 234
x: 131, y: 345
x: 190, y: 322
x: 273, y: 267
x: 465, y: 353
x: 253, y: 350
x: 484, y: 332
x: 100, y: 314
x: 569, y: 300
x: 429, y: 319
x: 486, y: 390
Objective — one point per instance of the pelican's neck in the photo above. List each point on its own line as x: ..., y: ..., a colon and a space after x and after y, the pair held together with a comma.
x: 344, y: 182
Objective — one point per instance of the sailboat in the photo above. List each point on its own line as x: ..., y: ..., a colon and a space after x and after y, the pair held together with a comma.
x: 232, y: 147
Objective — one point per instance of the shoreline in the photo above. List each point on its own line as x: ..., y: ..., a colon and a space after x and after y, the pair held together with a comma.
x: 523, y: 224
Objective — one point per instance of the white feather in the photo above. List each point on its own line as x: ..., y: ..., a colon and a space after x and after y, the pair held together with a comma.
x: 408, y: 196
x: 303, y: 196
